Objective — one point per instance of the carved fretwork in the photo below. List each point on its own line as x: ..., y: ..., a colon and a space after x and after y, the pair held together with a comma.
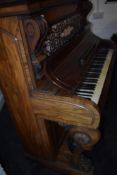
x: 44, y: 41
x: 61, y: 33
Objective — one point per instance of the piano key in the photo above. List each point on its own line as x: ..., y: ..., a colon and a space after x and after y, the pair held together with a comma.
x: 96, y: 66
x: 93, y: 69
x: 91, y: 80
x: 93, y: 75
x: 93, y: 72
x: 92, y: 86
x: 85, y: 90
x: 97, y: 92
x: 86, y: 94
x: 99, y: 61
x: 90, y: 83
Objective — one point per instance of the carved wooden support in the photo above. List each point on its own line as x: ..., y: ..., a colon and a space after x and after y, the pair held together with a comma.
x: 69, y: 110
x: 36, y: 29
x: 16, y: 90
x: 80, y: 140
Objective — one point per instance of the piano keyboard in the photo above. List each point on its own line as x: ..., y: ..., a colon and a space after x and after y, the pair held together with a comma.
x: 94, y: 80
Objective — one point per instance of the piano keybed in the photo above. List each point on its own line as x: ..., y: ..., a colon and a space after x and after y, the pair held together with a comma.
x: 94, y: 80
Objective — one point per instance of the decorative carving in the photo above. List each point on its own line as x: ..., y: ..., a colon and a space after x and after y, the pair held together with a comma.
x: 36, y: 30
x: 80, y: 140
x: 61, y: 33
x: 43, y: 40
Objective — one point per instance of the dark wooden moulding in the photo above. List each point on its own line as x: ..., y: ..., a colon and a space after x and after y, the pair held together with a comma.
x: 45, y: 111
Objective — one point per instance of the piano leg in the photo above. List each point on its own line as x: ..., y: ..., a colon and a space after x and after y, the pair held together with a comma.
x: 80, y: 140
x: 71, y: 158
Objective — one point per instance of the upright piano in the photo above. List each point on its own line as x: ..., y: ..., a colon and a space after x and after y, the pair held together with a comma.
x: 55, y: 75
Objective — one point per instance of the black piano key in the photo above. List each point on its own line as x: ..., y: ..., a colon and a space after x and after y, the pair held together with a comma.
x: 93, y: 75
x: 90, y: 80
x: 90, y: 87
x: 99, y: 62
x: 93, y: 72
x: 96, y: 66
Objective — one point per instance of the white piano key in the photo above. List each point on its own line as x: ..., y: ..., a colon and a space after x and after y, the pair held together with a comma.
x: 86, y: 90
x: 85, y: 82
x: 90, y: 78
x: 93, y: 72
x: 83, y: 93
x: 84, y: 96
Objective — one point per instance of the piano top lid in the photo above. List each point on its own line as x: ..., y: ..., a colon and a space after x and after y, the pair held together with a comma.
x: 20, y: 7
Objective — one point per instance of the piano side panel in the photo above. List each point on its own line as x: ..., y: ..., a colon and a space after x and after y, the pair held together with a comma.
x: 16, y: 91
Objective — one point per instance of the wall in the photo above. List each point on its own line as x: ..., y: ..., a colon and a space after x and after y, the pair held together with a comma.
x: 107, y: 25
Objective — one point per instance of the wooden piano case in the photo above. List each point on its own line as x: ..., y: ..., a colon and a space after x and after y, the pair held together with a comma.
x: 46, y: 116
